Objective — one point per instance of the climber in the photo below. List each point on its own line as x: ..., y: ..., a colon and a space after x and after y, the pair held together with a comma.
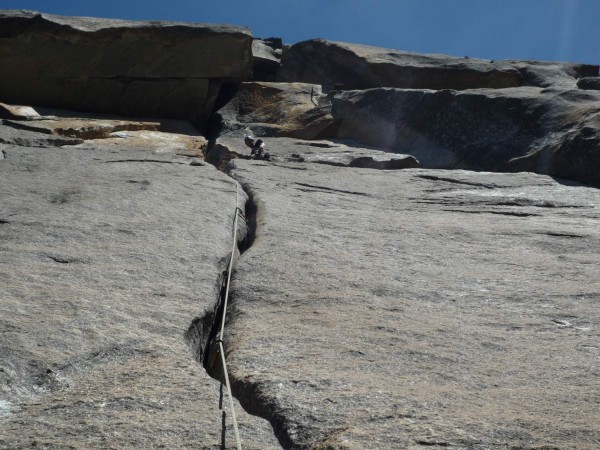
x: 258, y: 148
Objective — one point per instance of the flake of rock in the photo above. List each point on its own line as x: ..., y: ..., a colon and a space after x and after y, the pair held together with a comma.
x: 108, y: 257
x: 277, y: 109
x: 380, y: 309
x: 17, y: 111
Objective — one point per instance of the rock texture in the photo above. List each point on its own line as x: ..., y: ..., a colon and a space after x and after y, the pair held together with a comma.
x: 418, y: 308
x: 109, y: 250
x: 150, y: 69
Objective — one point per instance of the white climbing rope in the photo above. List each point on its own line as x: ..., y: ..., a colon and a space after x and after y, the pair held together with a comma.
x: 222, y: 331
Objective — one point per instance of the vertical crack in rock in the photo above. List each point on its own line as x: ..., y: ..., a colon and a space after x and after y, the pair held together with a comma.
x: 202, y: 332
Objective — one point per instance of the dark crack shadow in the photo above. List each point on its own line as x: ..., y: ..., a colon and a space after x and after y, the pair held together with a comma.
x: 326, y: 189
x: 202, y: 335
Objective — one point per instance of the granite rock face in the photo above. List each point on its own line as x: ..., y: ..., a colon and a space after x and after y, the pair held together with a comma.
x: 148, y: 69
x: 109, y: 251
x: 418, y: 308
x: 383, y: 297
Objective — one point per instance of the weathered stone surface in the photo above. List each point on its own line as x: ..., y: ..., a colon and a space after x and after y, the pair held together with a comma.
x: 350, y: 66
x: 277, y: 109
x: 589, y: 83
x: 418, y: 308
x: 266, y: 55
x: 150, y: 69
x: 108, y: 253
x: 548, y: 131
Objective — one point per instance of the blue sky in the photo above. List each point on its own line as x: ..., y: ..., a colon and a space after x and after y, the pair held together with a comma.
x: 554, y: 30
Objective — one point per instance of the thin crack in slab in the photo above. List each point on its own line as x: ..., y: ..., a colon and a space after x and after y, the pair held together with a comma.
x: 328, y: 189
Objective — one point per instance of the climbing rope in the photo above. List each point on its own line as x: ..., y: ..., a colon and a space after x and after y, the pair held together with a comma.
x: 238, y: 211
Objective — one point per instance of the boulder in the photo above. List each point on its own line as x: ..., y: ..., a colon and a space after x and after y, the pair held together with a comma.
x: 417, y: 308
x: 149, y: 69
x: 350, y: 66
x: 589, y: 83
x: 276, y: 109
x: 482, y: 129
